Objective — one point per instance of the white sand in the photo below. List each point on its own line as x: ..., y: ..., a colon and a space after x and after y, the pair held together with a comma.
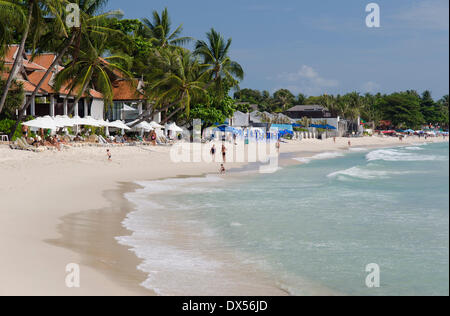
x: 37, y: 189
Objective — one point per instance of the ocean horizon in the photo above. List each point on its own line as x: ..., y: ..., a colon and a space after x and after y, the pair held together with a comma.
x: 308, y: 229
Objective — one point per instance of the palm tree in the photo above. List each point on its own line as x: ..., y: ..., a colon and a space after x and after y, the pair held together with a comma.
x: 223, y: 72
x: 331, y: 103
x: 90, y: 70
x: 31, y: 6
x: 160, y: 33
x: 175, y: 80
x: 12, y: 17
x: 57, y: 38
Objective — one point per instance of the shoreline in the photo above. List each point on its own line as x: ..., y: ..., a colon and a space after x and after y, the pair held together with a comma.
x: 113, y: 277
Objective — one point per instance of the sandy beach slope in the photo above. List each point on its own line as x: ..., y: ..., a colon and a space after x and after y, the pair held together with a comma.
x: 43, y: 195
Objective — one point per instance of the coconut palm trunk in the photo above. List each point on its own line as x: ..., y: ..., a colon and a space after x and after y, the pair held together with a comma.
x: 171, y: 115
x: 18, y: 58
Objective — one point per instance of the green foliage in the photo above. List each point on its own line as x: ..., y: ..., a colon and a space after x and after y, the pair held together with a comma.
x: 243, y: 107
x: 402, y: 109
x: 7, y: 125
x: 222, y: 72
x: 283, y: 100
x: 14, y: 99
x: 214, y: 111
x: 159, y: 31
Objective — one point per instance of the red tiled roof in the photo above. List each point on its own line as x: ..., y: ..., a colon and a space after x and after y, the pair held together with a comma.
x: 125, y: 90
x: 37, y: 76
x: 32, y: 66
x: 12, y: 49
x: 95, y: 94
x: 28, y: 87
x: 44, y: 60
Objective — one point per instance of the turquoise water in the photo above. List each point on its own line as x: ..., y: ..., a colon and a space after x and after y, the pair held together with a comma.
x: 319, y: 224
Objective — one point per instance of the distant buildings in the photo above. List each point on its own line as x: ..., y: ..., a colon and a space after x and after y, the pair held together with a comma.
x: 310, y: 111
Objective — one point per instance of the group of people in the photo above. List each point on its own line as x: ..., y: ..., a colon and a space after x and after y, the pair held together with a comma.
x: 43, y: 138
x: 213, y: 152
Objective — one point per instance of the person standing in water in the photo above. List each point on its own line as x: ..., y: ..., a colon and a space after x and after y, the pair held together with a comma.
x: 224, y: 153
x: 213, y: 153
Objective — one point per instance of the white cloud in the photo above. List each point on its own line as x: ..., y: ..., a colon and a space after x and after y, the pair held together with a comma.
x: 428, y: 14
x: 306, y: 80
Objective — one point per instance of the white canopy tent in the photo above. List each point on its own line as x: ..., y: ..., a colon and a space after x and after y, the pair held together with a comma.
x: 156, y: 125
x: 174, y: 128
x: 88, y: 120
x: 143, y: 126
x: 119, y: 124
x: 63, y: 121
x: 45, y: 122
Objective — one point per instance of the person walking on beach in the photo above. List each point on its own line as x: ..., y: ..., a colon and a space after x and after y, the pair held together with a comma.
x: 108, y: 154
x: 213, y: 153
x: 224, y: 153
x: 334, y: 140
x: 153, y: 138
x: 349, y: 143
x: 278, y: 146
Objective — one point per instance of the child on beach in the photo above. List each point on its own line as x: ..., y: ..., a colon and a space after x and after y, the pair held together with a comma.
x: 222, y: 169
x: 349, y: 143
x: 108, y: 153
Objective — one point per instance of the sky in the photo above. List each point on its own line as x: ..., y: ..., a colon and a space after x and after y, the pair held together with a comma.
x: 316, y: 47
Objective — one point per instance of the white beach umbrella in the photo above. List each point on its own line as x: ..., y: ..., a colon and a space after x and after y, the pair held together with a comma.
x: 174, y: 128
x: 119, y: 124
x: 155, y: 125
x: 63, y: 121
x: 141, y: 126
x: 103, y: 123
x: 90, y: 121
x: 45, y: 122
x: 76, y: 121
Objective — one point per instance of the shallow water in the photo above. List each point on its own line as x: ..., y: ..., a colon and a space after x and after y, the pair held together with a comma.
x: 313, y: 228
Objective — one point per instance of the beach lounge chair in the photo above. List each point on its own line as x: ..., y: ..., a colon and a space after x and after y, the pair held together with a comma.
x: 21, y: 144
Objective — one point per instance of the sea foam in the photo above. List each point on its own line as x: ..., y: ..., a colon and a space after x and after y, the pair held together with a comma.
x: 321, y: 156
x: 396, y: 155
x: 362, y: 173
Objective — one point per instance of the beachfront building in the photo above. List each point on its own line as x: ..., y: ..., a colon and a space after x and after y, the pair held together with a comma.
x: 320, y: 115
x: 128, y: 101
x: 128, y: 97
x: 48, y: 101
x: 240, y: 119
x: 310, y: 111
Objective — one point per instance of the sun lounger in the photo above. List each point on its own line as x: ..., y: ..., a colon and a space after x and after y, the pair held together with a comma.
x: 21, y: 144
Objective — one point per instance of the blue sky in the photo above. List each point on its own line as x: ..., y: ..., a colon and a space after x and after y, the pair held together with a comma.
x: 316, y: 47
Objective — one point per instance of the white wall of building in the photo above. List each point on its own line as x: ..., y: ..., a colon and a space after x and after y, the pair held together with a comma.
x: 97, y: 109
